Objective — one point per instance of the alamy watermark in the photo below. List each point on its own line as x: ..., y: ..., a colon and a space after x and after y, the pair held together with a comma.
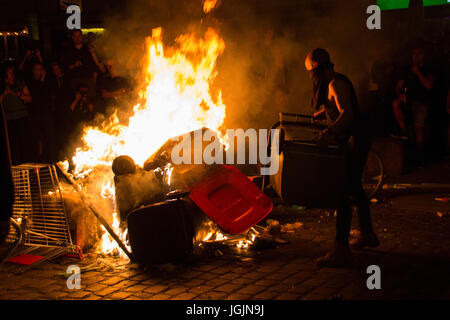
x: 374, y: 20
x: 74, y: 280
x: 213, y: 153
x: 374, y: 281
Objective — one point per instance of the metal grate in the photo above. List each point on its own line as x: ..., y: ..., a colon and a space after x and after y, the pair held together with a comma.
x: 39, y: 207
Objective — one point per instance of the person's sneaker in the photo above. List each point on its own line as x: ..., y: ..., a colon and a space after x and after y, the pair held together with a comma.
x: 364, y: 240
x: 339, y: 256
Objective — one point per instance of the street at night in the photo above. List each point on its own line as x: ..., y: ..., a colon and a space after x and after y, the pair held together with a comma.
x: 219, y: 150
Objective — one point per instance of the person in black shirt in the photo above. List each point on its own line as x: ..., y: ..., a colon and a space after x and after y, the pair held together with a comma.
x: 7, y: 194
x: 61, y: 95
x: 32, y: 56
x: 414, y: 95
x: 15, y: 100
x: 79, y: 64
x: 346, y: 127
x: 81, y: 109
x: 42, y: 114
x: 111, y: 88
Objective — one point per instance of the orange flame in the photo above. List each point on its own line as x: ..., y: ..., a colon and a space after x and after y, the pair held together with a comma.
x: 209, y: 5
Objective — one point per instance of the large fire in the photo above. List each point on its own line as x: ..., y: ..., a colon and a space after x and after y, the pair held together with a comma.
x: 178, y: 99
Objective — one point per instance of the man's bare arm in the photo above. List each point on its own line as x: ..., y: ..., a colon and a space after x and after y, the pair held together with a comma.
x: 340, y: 92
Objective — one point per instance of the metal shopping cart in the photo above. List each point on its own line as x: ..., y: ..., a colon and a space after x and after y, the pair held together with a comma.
x: 40, y: 229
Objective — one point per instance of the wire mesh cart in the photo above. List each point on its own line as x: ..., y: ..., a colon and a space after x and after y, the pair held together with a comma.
x: 40, y: 229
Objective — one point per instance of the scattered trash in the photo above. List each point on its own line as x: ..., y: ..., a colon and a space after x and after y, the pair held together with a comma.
x: 291, y: 227
x: 296, y: 207
x: 271, y: 222
x: 279, y: 240
x: 397, y: 186
x: 246, y: 259
x: 91, y: 267
x: 439, y: 214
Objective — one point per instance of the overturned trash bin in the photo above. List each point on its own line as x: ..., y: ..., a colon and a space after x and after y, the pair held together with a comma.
x: 166, y: 231
x: 309, y: 175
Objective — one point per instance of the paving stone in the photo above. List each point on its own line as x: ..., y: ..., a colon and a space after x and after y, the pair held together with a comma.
x: 106, y: 291
x: 254, y: 275
x: 151, y: 281
x: 221, y: 270
x: 312, y: 296
x: 206, y: 267
x: 175, y: 291
x: 156, y: 289
x: 137, y: 288
x: 268, y: 269
x: 195, y: 282
x: 277, y: 276
x: 239, y: 296
x: 143, y: 294
x: 129, y: 274
x: 228, y: 288
x: 200, y: 289
x: 315, y: 282
x: 287, y: 296
x: 191, y: 274
x: 242, y: 280
x: 59, y: 295
x: 265, y: 295
x: 230, y: 276
x: 184, y: 296
x: 121, y: 295
x: 159, y: 297
x: 79, y: 294
x: 279, y: 288
x: 300, y: 289
x: 324, y: 291
x: 141, y: 277
x: 251, y: 289
x: 208, y: 276
x: 133, y: 297
x: 216, y: 282
x: 266, y: 282
x: 211, y: 295
x: 112, y: 281
x: 96, y: 288
x: 51, y: 288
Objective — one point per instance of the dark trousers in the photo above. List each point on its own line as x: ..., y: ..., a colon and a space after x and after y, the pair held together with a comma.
x: 357, y: 152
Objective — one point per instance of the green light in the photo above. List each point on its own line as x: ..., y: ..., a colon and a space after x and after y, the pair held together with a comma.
x: 427, y: 3
x: 404, y: 4
x: 393, y: 4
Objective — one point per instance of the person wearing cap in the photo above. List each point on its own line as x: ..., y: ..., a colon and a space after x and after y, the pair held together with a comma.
x: 334, y: 98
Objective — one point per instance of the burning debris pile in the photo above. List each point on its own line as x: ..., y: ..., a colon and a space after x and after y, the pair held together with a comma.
x: 164, y: 209
x: 170, y: 209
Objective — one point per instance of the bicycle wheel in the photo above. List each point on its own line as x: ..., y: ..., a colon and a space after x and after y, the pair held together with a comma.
x: 372, y: 177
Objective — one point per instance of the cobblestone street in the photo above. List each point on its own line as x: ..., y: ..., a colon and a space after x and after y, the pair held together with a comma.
x: 414, y: 258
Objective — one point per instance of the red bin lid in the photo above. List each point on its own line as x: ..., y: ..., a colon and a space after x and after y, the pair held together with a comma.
x: 231, y: 200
